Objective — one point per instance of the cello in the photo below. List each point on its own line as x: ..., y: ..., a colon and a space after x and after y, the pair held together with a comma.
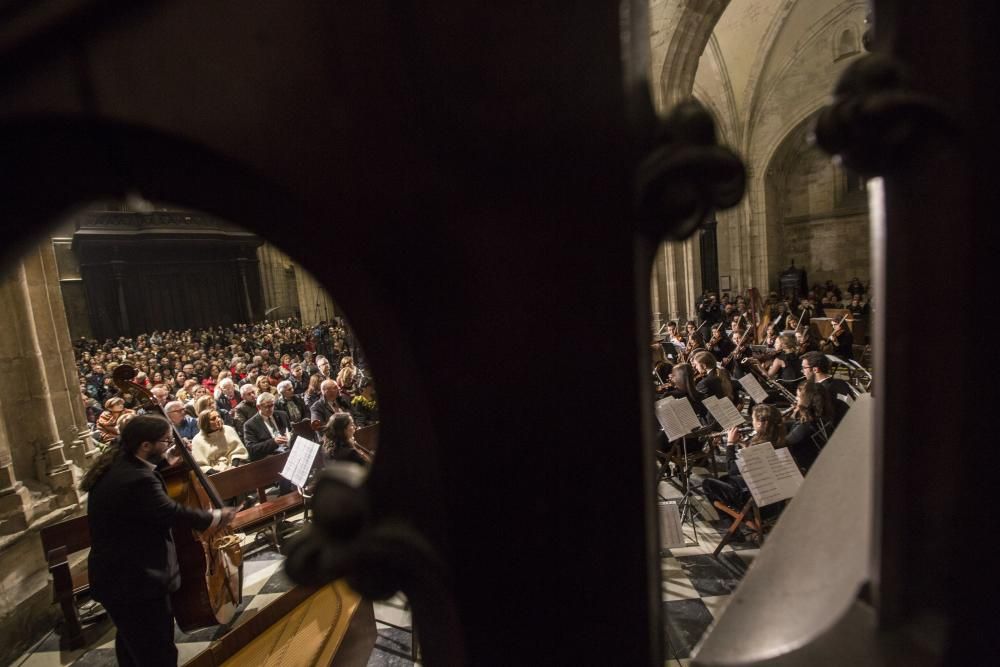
x: 211, y: 562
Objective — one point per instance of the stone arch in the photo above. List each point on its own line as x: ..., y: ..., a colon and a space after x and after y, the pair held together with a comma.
x: 694, y: 26
x: 100, y: 159
x: 846, y: 43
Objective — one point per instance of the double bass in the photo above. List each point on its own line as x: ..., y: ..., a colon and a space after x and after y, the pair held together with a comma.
x: 211, y: 562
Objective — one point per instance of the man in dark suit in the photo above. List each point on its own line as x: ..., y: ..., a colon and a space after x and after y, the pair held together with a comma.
x: 331, y: 404
x: 246, y: 409
x: 267, y: 431
x: 133, y: 563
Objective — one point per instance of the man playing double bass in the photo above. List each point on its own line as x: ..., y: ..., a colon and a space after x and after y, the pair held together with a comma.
x: 133, y: 562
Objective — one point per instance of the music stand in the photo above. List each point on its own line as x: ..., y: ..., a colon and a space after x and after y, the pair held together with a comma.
x: 685, y: 505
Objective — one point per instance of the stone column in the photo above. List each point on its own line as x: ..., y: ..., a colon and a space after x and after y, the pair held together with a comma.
x: 16, y: 511
x: 33, y: 432
x: 241, y: 264
x: 59, y: 364
x: 118, y: 268
x: 654, y: 299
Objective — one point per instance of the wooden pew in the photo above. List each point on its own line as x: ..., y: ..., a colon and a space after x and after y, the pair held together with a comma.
x: 59, y: 541
x: 256, y: 477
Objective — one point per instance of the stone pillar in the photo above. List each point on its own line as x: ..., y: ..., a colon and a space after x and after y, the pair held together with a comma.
x: 315, y: 303
x: 33, y: 433
x: 241, y: 265
x: 680, y: 285
x: 118, y: 268
x: 15, y: 500
x: 654, y: 299
x: 58, y: 364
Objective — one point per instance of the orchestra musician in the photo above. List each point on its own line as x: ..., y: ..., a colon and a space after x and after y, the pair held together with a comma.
x: 771, y: 339
x: 682, y: 378
x: 812, y: 419
x: 731, y: 362
x: 695, y: 344
x: 733, y: 491
x: 713, y: 380
x: 816, y: 367
x: 719, y: 344
x: 786, y: 365
x: 841, y: 340
x: 808, y: 338
x: 133, y: 564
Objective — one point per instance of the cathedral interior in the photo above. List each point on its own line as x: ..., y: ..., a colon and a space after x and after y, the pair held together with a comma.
x: 499, y: 213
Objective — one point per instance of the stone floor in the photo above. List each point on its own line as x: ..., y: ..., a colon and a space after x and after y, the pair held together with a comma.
x: 695, y: 589
x: 263, y: 581
x: 696, y: 585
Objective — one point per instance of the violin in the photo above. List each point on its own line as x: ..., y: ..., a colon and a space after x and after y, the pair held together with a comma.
x: 211, y: 562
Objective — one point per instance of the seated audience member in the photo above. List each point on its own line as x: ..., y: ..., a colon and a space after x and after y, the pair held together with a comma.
x: 289, y: 403
x: 323, y: 367
x: 228, y: 398
x: 364, y: 407
x: 339, y: 443
x: 246, y: 409
x: 216, y: 447
x: 313, y: 393
x: 267, y: 431
x: 299, y: 380
x: 185, y: 424
x: 330, y: 404
x: 107, y: 422
x: 347, y: 375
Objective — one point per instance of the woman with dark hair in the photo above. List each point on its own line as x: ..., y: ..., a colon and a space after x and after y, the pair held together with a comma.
x: 313, y: 392
x: 132, y: 565
x: 813, y: 419
x: 733, y: 491
x: 339, y: 443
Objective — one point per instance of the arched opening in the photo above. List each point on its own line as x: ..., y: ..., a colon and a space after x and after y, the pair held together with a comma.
x: 171, y: 291
x: 762, y: 71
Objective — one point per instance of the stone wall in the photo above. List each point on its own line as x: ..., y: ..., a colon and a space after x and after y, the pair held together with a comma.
x: 821, y: 212
x: 291, y: 290
x: 44, y: 442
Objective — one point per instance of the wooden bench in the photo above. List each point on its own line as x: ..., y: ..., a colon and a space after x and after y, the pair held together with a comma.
x: 59, y: 541
x: 256, y: 477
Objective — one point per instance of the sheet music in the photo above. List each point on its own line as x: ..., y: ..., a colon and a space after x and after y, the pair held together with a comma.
x: 676, y: 417
x: 771, y: 476
x: 753, y: 388
x: 671, y: 529
x: 724, y: 412
x: 300, y: 461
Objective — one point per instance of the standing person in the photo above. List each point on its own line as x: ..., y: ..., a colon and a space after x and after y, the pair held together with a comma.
x: 133, y: 563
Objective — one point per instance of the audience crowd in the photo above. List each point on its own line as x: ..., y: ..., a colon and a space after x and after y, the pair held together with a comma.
x: 233, y: 392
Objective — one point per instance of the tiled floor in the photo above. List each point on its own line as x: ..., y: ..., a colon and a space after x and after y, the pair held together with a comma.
x: 696, y: 588
x: 263, y: 581
x: 696, y: 585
